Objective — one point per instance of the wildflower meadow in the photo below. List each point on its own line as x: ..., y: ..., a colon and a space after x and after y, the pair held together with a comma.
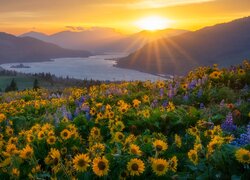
x: 192, y: 127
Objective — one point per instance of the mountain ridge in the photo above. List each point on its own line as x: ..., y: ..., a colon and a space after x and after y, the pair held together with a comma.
x: 100, y: 40
x: 27, y: 49
x: 223, y: 43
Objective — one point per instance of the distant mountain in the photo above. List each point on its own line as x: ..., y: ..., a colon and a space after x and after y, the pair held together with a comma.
x: 27, y: 49
x: 225, y: 44
x: 99, y: 40
x: 138, y: 40
x: 36, y: 35
x: 89, y: 39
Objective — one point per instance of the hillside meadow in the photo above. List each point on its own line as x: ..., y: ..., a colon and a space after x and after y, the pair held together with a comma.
x: 194, y: 127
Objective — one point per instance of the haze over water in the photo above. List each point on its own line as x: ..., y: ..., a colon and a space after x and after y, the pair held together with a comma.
x: 93, y: 67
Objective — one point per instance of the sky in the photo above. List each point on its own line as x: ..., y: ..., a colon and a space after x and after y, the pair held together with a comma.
x: 50, y: 16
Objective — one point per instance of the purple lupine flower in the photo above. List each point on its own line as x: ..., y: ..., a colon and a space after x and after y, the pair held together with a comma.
x: 161, y: 92
x: 165, y: 103
x: 192, y: 84
x: 228, y: 124
x: 154, y: 103
x: 65, y: 112
x: 202, y: 106
x: 185, y: 97
x: 199, y: 94
x: 244, y: 138
x: 88, y: 116
x: 77, y: 111
x: 85, y: 108
x: 199, y: 82
x: 171, y: 93
x: 222, y: 103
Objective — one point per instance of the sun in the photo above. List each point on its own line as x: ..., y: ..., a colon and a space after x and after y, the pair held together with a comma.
x: 153, y: 23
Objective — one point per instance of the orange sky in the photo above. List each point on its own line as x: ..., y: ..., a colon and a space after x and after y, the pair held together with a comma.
x: 19, y: 16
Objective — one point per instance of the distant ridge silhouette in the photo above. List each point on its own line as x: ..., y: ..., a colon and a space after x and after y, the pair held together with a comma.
x: 225, y: 44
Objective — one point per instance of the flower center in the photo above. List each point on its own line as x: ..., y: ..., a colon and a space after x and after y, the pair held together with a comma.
x: 101, y: 165
x: 55, y: 161
x: 245, y: 157
x: 158, y: 147
x: 193, y: 156
x: 81, y: 163
x: 160, y: 167
x: 133, y: 151
x: 28, y: 154
x: 135, y: 167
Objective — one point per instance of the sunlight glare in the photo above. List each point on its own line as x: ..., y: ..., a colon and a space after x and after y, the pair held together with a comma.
x: 153, y: 23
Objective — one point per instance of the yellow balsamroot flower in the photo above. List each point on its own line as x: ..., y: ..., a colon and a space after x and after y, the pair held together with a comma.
x: 36, y: 169
x: 11, y: 149
x: 215, y: 75
x: 243, y: 156
x: 197, y: 147
x: 65, y: 134
x: 216, y: 142
x: 15, y: 172
x: 241, y: 72
x: 177, y: 140
x: 95, y: 132
x: 160, y: 84
x: 134, y: 149
x: 81, y: 162
x: 2, y: 117
x: 229, y: 139
x: 170, y: 106
x: 97, y: 149
x: 40, y: 135
x: 51, y: 133
x: 27, y: 152
x: 159, y: 166
x: 110, y: 114
x: 124, y: 108
x: 118, y: 137
x: 119, y: 126
x: 135, y: 167
x: 160, y: 145
x: 209, y: 133
x: 136, y: 103
x: 193, y: 131
x: 217, y: 130
x: 13, y: 140
x: 51, y: 140
x: 100, y: 166
x: 184, y: 86
x: 30, y: 138
x: 145, y: 99
x: 193, y: 156
x: 9, y: 131
x: 146, y: 113
x: 173, y: 162
x: 54, y: 156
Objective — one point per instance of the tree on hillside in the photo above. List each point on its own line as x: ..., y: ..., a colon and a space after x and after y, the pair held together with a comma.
x: 12, y: 86
x: 35, y: 84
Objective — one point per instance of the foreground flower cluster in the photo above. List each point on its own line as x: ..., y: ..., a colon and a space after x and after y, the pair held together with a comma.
x: 191, y: 127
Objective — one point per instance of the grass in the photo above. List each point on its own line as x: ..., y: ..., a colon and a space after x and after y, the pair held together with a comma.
x: 23, y: 82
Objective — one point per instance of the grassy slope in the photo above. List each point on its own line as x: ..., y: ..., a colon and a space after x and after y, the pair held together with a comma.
x: 22, y: 82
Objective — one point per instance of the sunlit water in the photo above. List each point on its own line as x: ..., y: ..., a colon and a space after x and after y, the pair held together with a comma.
x: 93, y: 67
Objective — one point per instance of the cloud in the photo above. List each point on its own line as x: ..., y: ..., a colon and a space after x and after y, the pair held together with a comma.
x: 145, y: 4
x: 75, y: 28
